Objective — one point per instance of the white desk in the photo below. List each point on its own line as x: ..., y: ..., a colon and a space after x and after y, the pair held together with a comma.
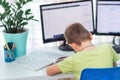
x: 9, y: 71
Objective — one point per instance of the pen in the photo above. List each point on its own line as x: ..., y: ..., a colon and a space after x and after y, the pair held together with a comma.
x: 13, y: 46
x: 7, y: 45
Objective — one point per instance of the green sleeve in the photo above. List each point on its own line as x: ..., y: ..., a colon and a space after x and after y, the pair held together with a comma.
x: 114, y: 54
x: 66, y: 65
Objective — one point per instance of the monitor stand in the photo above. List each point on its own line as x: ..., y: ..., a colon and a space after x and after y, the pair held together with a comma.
x: 65, y: 47
x: 116, y: 46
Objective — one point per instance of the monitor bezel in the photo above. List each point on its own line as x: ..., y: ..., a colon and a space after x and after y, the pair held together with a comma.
x: 51, y: 4
x: 100, y: 33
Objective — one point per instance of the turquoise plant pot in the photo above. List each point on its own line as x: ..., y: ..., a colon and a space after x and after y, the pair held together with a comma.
x: 20, y: 39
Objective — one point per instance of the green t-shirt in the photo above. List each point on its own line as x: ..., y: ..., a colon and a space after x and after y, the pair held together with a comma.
x: 102, y: 56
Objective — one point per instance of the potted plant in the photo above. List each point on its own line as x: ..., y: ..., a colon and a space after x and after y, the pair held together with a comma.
x: 13, y: 19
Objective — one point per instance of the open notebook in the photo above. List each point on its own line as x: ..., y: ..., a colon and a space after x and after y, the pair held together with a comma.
x: 37, y: 59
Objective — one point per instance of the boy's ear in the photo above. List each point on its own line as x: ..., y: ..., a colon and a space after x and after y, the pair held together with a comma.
x: 91, y: 37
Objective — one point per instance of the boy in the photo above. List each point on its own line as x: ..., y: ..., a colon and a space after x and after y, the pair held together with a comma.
x: 87, y: 55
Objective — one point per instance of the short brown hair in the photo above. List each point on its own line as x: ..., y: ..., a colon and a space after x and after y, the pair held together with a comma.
x: 75, y: 33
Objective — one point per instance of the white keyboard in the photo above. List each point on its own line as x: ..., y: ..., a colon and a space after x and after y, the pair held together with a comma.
x: 37, y: 59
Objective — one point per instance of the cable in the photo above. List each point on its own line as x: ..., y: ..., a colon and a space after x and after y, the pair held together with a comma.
x: 114, y: 43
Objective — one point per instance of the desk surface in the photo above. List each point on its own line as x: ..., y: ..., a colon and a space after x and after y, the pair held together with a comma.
x: 9, y: 71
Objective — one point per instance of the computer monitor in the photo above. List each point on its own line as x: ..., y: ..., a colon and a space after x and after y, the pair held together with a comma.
x: 108, y: 17
x: 56, y: 17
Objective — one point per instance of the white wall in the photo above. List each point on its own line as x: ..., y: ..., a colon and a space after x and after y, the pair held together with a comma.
x: 35, y: 35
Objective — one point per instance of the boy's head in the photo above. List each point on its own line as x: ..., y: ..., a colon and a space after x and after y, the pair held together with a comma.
x: 76, y: 33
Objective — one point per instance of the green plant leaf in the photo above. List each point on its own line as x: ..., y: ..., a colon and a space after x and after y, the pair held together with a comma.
x: 18, y: 5
x: 14, y: 17
x: 3, y: 15
x: 31, y: 17
x: 5, y: 5
x: 0, y: 16
x: 13, y: 10
x: 21, y: 1
x: 35, y: 19
x: 19, y: 15
x: 27, y: 12
x: 25, y: 19
x: 0, y: 2
x: 9, y: 22
x: 28, y: 0
x: 24, y: 23
x: 8, y: 12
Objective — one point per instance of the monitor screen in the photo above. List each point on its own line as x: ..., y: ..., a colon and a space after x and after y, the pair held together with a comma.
x: 56, y: 17
x: 108, y: 17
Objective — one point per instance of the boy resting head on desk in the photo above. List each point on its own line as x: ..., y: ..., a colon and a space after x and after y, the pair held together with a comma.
x: 87, y: 55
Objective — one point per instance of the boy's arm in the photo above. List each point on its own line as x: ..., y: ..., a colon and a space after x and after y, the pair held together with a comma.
x: 52, y: 70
